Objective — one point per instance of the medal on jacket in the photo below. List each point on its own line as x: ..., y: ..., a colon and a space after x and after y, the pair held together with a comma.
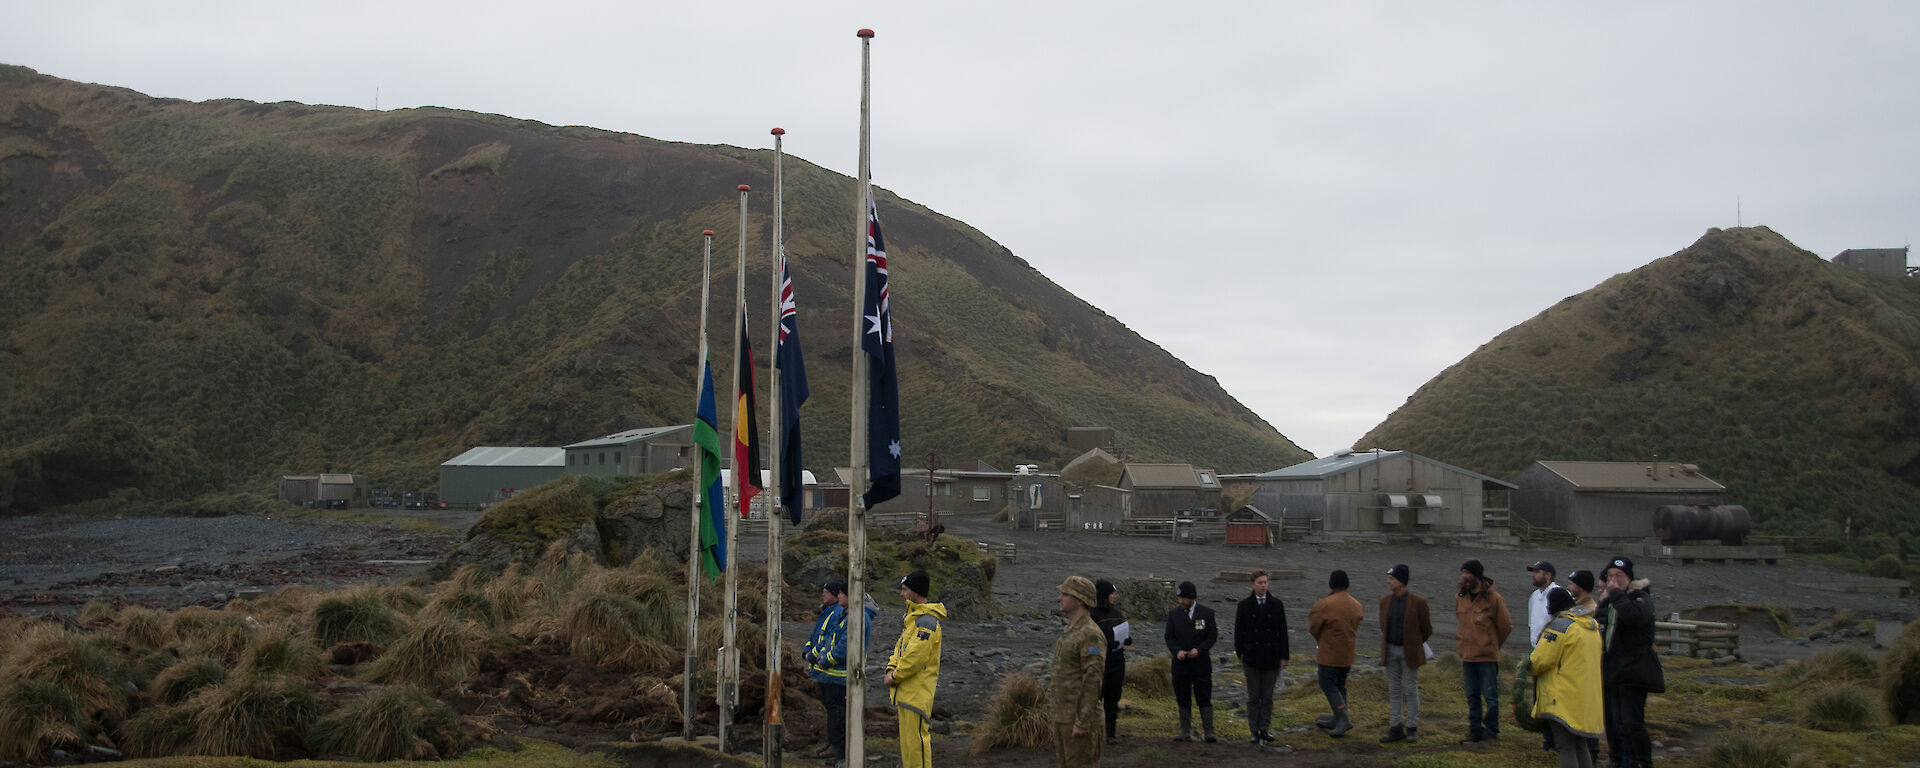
x: 1199, y: 625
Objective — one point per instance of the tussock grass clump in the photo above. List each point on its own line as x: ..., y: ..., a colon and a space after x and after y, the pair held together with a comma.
x: 464, y: 596
x: 399, y: 723
x: 97, y: 611
x: 279, y: 651
x: 406, y: 600
x: 1017, y: 717
x: 219, y: 634
x: 1887, y: 567
x: 84, y: 667
x: 36, y: 717
x: 1900, y: 677
x: 186, y: 677
x: 562, y: 571
x: 1841, y: 665
x: 1749, y: 747
x: 1151, y: 676
x: 144, y: 628
x: 1840, y: 708
x: 614, y: 631
x: 247, y: 716
x: 358, y: 615
x: 435, y: 653
x: 158, y: 731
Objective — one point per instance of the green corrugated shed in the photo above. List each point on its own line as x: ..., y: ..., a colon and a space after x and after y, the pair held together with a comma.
x: 480, y: 475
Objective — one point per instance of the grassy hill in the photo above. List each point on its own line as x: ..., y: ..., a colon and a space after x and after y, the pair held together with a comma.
x: 1794, y: 381
x: 245, y: 289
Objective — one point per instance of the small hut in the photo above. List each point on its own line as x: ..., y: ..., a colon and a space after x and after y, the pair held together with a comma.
x: 1250, y: 527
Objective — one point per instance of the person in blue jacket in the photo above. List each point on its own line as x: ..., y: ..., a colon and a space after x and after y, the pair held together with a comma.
x: 826, y: 655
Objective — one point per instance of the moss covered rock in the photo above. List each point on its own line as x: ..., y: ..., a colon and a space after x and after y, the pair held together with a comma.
x: 608, y: 518
x: 962, y: 575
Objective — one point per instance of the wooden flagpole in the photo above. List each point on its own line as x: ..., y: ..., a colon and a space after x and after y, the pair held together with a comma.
x: 857, y: 480
x: 729, y: 650
x: 774, y: 729
x: 691, y: 666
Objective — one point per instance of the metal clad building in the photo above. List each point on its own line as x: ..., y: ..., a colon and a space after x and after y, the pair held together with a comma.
x: 1161, y: 491
x: 645, y: 451
x: 481, y: 474
x: 1603, y: 502
x: 1379, y: 491
x: 1885, y: 262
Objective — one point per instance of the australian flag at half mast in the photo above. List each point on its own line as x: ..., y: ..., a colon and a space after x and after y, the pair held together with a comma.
x: 793, y: 392
x: 883, y: 387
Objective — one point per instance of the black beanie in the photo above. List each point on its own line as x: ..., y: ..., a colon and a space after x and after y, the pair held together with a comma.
x: 1558, y: 600
x: 1187, y: 591
x: 1474, y: 567
x: 1401, y: 573
x: 1101, y: 590
x: 1583, y: 580
x: 1337, y: 580
x: 919, y: 582
x: 1622, y: 563
x: 835, y: 586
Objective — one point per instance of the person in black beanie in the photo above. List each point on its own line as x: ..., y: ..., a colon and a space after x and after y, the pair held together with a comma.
x: 1629, y: 667
x: 1191, y: 633
x: 1113, y: 623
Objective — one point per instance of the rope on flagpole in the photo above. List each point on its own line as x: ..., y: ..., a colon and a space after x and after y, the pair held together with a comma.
x: 690, y: 666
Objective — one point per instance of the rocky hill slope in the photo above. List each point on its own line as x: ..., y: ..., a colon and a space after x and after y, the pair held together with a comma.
x: 1794, y: 381
x: 239, y: 290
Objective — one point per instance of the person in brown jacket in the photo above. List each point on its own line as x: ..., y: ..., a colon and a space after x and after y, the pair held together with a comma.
x: 1334, y: 623
x: 1079, y: 665
x: 1484, y: 626
x: 1405, y: 625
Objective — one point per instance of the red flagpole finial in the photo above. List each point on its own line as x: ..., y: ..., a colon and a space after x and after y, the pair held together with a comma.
x: 868, y: 33
x: 706, y: 233
x: 745, y: 188
x: 779, y: 131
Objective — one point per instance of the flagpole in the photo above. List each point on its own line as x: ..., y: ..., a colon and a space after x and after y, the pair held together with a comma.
x: 773, y: 729
x: 691, y: 665
x: 729, y: 652
x: 857, y: 482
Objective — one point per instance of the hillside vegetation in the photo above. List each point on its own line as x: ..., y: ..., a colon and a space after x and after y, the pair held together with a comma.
x: 254, y: 289
x: 1794, y: 381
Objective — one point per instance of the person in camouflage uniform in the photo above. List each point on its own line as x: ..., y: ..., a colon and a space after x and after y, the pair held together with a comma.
x: 1079, y: 668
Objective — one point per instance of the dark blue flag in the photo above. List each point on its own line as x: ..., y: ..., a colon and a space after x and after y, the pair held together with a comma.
x: 883, y: 388
x: 793, y: 392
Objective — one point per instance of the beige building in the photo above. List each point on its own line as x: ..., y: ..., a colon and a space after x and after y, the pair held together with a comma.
x: 1382, y: 492
x: 1608, y: 502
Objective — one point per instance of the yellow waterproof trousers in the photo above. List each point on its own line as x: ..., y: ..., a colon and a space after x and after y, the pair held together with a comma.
x: 916, y: 742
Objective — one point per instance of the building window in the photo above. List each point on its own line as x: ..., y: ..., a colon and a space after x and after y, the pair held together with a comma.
x: 982, y: 493
x: 616, y: 458
x: 603, y: 458
x: 572, y: 459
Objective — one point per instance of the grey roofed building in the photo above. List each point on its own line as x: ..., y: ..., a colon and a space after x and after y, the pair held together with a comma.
x: 1160, y: 491
x: 1381, y: 491
x: 1608, y: 502
x: 644, y: 451
x: 1885, y: 262
x: 488, y: 473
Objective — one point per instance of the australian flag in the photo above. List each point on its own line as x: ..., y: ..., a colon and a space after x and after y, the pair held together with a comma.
x: 883, y: 387
x: 793, y: 392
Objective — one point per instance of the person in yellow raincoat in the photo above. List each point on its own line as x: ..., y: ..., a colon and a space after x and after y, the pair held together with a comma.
x: 1566, y: 673
x: 914, y: 670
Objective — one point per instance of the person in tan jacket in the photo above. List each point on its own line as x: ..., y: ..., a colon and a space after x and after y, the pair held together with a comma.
x: 1405, y: 625
x: 1484, y: 626
x: 1334, y: 623
x: 1079, y: 666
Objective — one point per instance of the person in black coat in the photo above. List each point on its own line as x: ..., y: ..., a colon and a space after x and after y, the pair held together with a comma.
x: 1113, y: 624
x: 1260, y: 640
x: 1629, y: 667
x: 1191, y: 633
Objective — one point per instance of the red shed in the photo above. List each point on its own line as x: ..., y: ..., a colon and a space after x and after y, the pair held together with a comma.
x: 1249, y: 527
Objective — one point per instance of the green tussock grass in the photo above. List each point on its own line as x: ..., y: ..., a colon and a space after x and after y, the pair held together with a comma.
x: 97, y: 611
x: 88, y: 668
x: 391, y: 724
x: 186, y: 677
x: 435, y: 652
x: 358, y: 615
x: 278, y: 651
x: 1017, y: 718
x: 1840, y: 708
x: 1150, y: 675
x: 144, y: 628
x: 616, y: 631
x: 220, y: 634
x: 1841, y: 665
x: 1900, y: 676
x: 245, y: 716
x: 1748, y: 747
x: 36, y: 717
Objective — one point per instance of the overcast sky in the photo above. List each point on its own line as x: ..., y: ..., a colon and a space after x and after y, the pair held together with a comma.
x: 1322, y: 207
